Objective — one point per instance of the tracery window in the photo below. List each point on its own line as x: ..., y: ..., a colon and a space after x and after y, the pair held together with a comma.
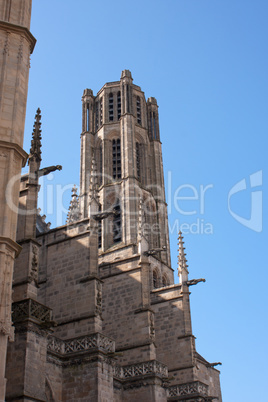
x: 117, y: 224
x: 138, y: 110
x: 118, y: 105
x: 116, y: 159
x: 111, y: 107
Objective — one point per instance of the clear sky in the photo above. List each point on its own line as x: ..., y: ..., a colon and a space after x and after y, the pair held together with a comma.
x: 205, y: 61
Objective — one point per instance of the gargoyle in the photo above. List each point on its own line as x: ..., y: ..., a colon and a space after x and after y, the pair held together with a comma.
x: 49, y: 169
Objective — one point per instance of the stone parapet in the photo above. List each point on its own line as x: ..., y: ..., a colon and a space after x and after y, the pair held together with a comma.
x: 189, y: 391
x: 31, y: 309
x: 88, y: 343
x: 149, y: 368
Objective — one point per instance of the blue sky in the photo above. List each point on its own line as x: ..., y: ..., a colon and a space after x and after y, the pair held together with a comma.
x: 206, y: 63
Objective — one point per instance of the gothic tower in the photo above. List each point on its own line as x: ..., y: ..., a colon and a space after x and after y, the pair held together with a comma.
x: 120, y: 131
x: 16, y: 45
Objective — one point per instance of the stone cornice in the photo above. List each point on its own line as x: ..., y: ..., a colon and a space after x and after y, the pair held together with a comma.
x: 17, y: 29
x: 17, y: 148
x: 11, y: 244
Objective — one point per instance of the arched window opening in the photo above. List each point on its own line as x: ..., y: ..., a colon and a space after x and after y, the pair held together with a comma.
x: 138, y: 161
x: 155, y: 280
x: 118, y: 105
x: 117, y: 226
x: 138, y: 110
x: 111, y: 107
x: 101, y: 111
x: 100, y: 231
x: 97, y: 115
x: 116, y: 159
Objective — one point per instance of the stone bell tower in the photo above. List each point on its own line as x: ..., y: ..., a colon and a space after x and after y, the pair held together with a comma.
x: 16, y: 45
x: 120, y: 133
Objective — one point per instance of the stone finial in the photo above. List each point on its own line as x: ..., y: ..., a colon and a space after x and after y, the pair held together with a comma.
x: 74, y: 210
x: 182, y: 262
x: 126, y: 74
x: 88, y: 92
x: 35, y: 151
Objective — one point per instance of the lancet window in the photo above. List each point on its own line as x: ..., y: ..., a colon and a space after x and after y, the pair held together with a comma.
x: 117, y: 224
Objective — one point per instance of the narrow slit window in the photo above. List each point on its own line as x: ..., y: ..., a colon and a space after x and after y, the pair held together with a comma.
x: 100, y: 231
x: 101, y: 112
x: 100, y: 167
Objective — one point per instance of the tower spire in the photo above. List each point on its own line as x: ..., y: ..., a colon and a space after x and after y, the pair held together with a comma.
x: 35, y: 151
x: 182, y: 262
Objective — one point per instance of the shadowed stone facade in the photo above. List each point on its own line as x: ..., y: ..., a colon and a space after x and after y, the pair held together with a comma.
x: 96, y: 312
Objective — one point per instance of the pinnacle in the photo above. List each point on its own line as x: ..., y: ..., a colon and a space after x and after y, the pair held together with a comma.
x: 74, y: 210
x: 35, y: 151
x: 182, y: 261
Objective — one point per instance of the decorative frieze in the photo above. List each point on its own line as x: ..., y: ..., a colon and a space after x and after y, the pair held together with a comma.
x: 192, y: 388
x: 31, y: 309
x: 86, y: 343
x: 141, y: 369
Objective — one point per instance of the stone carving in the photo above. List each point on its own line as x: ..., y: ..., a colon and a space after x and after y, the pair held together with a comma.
x: 20, y: 51
x: 99, y: 299
x: 81, y: 344
x: 141, y: 369
x: 6, y: 45
x: 152, y: 329
x: 7, y: 329
x: 31, y: 309
x: 188, y: 389
x: 34, y: 264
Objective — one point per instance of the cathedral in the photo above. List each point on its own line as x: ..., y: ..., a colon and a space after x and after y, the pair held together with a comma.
x: 91, y: 310
x: 97, y: 313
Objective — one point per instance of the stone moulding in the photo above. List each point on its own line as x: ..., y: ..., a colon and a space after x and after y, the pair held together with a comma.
x: 17, y: 29
x: 31, y: 309
x: 86, y: 343
x: 152, y: 367
x: 192, y: 389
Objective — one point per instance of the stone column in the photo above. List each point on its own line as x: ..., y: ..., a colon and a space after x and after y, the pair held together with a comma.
x: 18, y: 43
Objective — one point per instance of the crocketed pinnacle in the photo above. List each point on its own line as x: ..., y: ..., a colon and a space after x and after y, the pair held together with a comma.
x: 93, y: 186
x: 35, y: 151
x: 74, y: 210
x: 182, y: 262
